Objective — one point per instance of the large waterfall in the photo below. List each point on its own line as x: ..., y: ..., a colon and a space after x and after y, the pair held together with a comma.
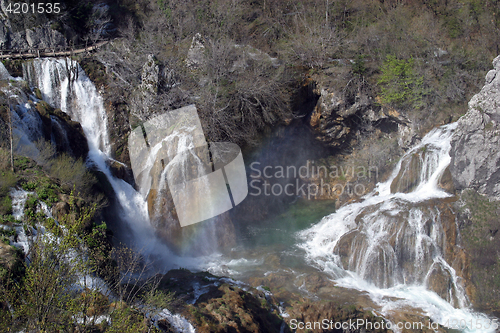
x: 64, y: 85
x: 393, y: 243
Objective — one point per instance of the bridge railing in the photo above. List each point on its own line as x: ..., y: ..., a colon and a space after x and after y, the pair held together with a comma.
x: 79, y: 48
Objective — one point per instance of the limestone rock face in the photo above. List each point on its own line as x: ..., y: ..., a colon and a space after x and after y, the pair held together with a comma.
x: 475, y: 152
x: 44, y: 37
x: 4, y: 35
x: 337, y: 120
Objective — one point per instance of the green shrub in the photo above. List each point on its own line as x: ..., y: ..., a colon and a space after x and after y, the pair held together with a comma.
x: 71, y: 173
x: 46, y: 192
x: 22, y: 163
x: 400, y: 86
x: 359, y: 66
x: 29, y: 186
x: 6, y: 205
x: 7, y: 219
x: 7, y: 180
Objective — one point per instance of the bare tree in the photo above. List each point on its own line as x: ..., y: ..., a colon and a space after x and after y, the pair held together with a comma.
x: 9, y: 117
x: 97, y: 24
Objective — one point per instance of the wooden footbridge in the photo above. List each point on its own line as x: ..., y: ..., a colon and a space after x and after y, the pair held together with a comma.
x: 49, y: 52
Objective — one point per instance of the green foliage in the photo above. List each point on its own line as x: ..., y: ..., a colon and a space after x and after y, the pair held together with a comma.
x: 359, y: 66
x: 400, y: 85
x: 47, y: 191
x: 53, y: 227
x: 95, y: 71
x: 6, y: 205
x: 453, y: 26
x: 69, y: 172
x: 7, y: 219
x: 163, y: 5
x: 29, y: 185
x: 8, y: 179
x: 159, y: 299
x: 22, y: 163
x: 128, y: 320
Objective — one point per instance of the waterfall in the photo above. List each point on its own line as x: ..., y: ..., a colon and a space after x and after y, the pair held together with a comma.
x: 392, y: 244
x: 74, y: 94
x: 64, y: 85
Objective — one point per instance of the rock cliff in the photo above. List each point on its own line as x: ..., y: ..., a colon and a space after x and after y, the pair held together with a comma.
x: 475, y: 169
x: 475, y: 149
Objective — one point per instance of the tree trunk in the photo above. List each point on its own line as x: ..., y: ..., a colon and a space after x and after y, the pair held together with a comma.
x: 10, y: 138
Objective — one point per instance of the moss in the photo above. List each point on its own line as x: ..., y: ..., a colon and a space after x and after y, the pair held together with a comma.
x: 44, y: 108
x: 38, y: 93
x: 480, y: 230
x: 95, y: 71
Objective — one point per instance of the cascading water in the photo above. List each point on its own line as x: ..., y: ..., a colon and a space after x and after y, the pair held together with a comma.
x: 393, y: 243
x: 64, y: 85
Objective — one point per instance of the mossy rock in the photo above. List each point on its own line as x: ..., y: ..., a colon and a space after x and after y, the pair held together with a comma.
x: 44, y: 108
x: 38, y: 93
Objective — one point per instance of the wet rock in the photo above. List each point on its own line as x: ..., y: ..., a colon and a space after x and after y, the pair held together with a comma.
x: 475, y: 152
x: 446, y: 181
x: 440, y: 281
x: 214, y: 304
x: 409, y: 175
x: 68, y: 135
x: 121, y: 171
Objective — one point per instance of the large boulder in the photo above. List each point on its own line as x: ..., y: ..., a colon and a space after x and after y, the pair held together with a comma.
x: 475, y: 152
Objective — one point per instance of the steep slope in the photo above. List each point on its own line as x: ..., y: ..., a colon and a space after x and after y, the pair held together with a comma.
x: 476, y: 144
x: 475, y: 169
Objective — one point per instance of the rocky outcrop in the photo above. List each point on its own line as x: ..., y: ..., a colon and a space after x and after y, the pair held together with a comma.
x: 67, y: 134
x: 337, y: 118
x: 195, y: 56
x: 41, y: 37
x: 475, y: 171
x: 475, y: 152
